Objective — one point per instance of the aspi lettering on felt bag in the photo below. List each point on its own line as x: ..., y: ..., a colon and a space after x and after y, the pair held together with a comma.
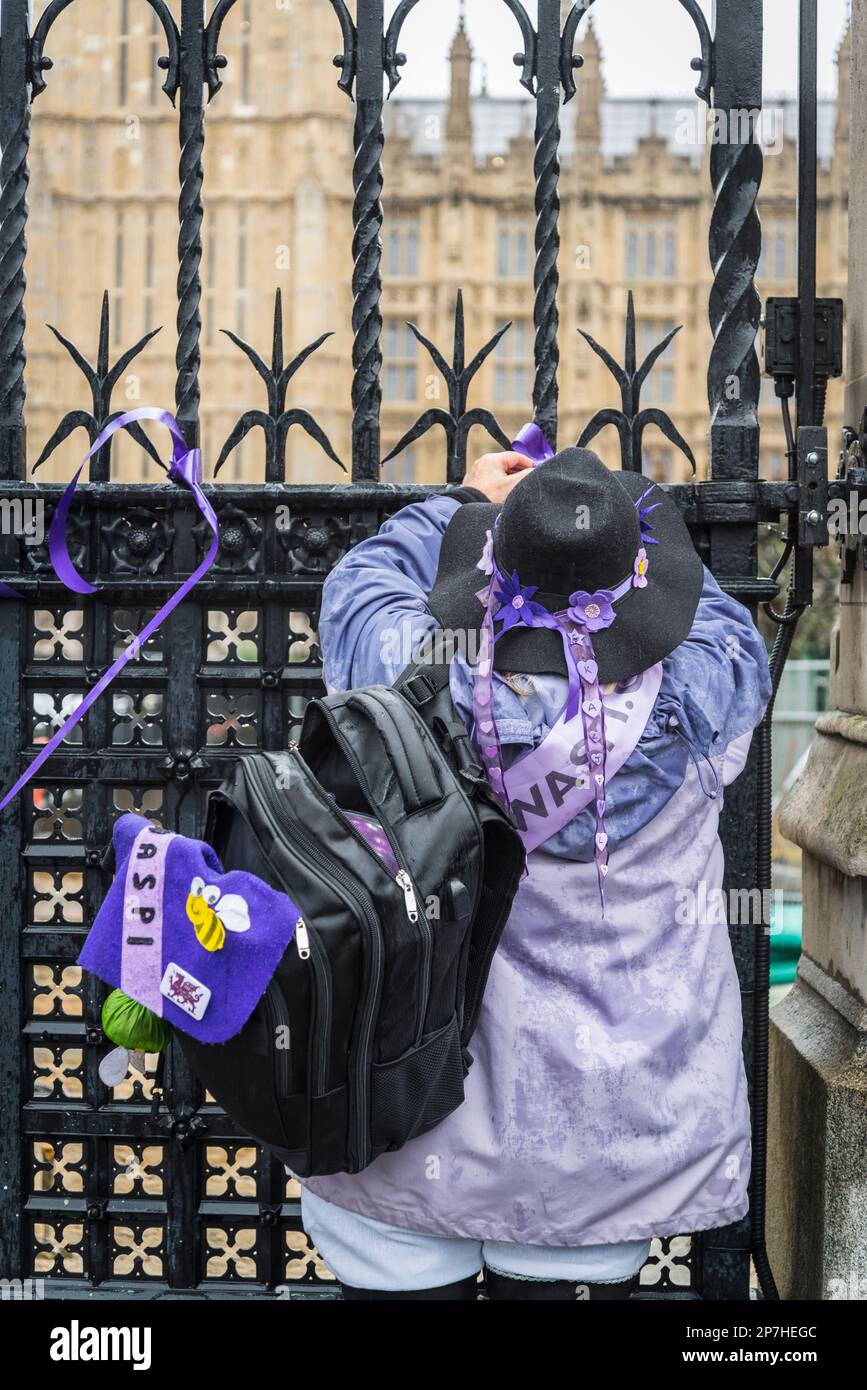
x: 195, y: 945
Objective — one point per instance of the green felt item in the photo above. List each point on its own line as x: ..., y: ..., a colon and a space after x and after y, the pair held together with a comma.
x: 133, y: 1026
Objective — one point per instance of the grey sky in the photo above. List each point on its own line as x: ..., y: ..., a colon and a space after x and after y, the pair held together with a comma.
x: 647, y: 44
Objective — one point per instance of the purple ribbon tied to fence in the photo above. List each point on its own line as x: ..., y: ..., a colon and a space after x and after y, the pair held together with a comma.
x: 185, y: 468
x: 532, y: 443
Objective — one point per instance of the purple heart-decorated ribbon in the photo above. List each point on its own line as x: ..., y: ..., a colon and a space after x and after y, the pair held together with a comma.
x: 185, y: 468
x: 531, y: 442
x: 507, y: 603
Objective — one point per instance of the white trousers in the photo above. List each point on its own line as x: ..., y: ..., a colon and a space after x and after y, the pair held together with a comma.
x: 368, y: 1254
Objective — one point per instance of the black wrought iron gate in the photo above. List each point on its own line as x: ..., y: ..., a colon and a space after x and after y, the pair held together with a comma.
x: 94, y: 1193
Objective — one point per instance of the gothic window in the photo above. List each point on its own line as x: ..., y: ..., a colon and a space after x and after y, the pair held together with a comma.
x: 400, y: 381
x: 123, y: 55
x: 513, y: 373
x: 117, y: 296
x: 658, y: 388
x: 513, y: 252
x: 412, y: 251
x: 777, y: 260
x: 631, y: 255
x: 149, y: 283
x: 658, y: 248
x: 241, y: 293
x: 246, y: 25
x: 669, y: 269
x: 401, y: 250
x: 155, y: 74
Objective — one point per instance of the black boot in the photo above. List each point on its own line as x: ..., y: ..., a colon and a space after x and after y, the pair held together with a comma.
x: 502, y: 1287
x: 464, y: 1291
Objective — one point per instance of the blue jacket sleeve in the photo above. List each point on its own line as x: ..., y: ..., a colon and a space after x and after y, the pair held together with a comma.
x: 721, y: 671
x: 375, y: 601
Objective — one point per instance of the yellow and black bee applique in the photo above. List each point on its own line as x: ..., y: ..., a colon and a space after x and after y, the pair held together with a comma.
x: 212, y: 914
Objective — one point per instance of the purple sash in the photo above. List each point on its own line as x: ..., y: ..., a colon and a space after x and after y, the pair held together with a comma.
x: 550, y: 785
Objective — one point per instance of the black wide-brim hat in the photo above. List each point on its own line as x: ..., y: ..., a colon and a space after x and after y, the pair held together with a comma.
x: 573, y: 524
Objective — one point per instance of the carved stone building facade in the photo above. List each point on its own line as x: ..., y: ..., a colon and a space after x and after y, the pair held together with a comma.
x: 636, y: 204
x: 817, y: 1119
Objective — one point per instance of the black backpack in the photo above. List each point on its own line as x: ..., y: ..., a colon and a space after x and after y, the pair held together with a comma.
x: 377, y: 996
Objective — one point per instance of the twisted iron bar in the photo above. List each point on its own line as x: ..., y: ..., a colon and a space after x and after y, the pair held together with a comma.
x: 14, y: 179
x: 546, y: 275
x: 368, y: 54
x: 199, y: 64
x: 367, y: 218
x: 733, y: 379
x: 189, y: 283
x: 547, y: 65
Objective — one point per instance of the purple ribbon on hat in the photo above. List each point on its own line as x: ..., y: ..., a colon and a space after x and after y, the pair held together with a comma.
x: 185, y: 469
x: 509, y: 604
x: 531, y: 442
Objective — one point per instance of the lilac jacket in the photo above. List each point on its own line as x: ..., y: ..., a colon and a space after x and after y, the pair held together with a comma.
x: 608, y: 1098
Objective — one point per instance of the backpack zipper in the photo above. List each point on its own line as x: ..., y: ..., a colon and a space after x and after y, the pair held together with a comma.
x: 403, y: 879
x: 404, y: 882
x: 278, y: 1012
x: 315, y: 951
x: 331, y: 869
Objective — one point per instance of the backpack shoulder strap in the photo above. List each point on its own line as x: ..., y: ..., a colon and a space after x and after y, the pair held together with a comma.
x: 426, y: 686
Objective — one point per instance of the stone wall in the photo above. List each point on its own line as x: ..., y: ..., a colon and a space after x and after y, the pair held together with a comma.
x: 817, y: 1165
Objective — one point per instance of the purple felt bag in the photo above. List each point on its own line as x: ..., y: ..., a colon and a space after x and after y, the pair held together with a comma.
x: 194, y: 945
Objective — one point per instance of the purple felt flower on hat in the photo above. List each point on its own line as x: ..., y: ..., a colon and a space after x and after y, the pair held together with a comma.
x: 593, y: 611
x: 643, y: 514
x: 639, y: 578
x: 516, y: 605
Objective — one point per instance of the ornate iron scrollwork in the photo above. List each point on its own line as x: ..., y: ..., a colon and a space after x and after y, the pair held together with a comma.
x: 170, y: 64
x: 392, y: 60
x: 215, y: 61
x: 277, y: 421
x: 631, y: 422
x: 457, y: 421
x: 38, y: 63
x: 102, y: 380
x: 347, y: 60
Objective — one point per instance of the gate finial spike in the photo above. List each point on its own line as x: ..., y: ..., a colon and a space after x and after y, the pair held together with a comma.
x: 102, y: 346
x: 629, y: 358
x: 277, y: 356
